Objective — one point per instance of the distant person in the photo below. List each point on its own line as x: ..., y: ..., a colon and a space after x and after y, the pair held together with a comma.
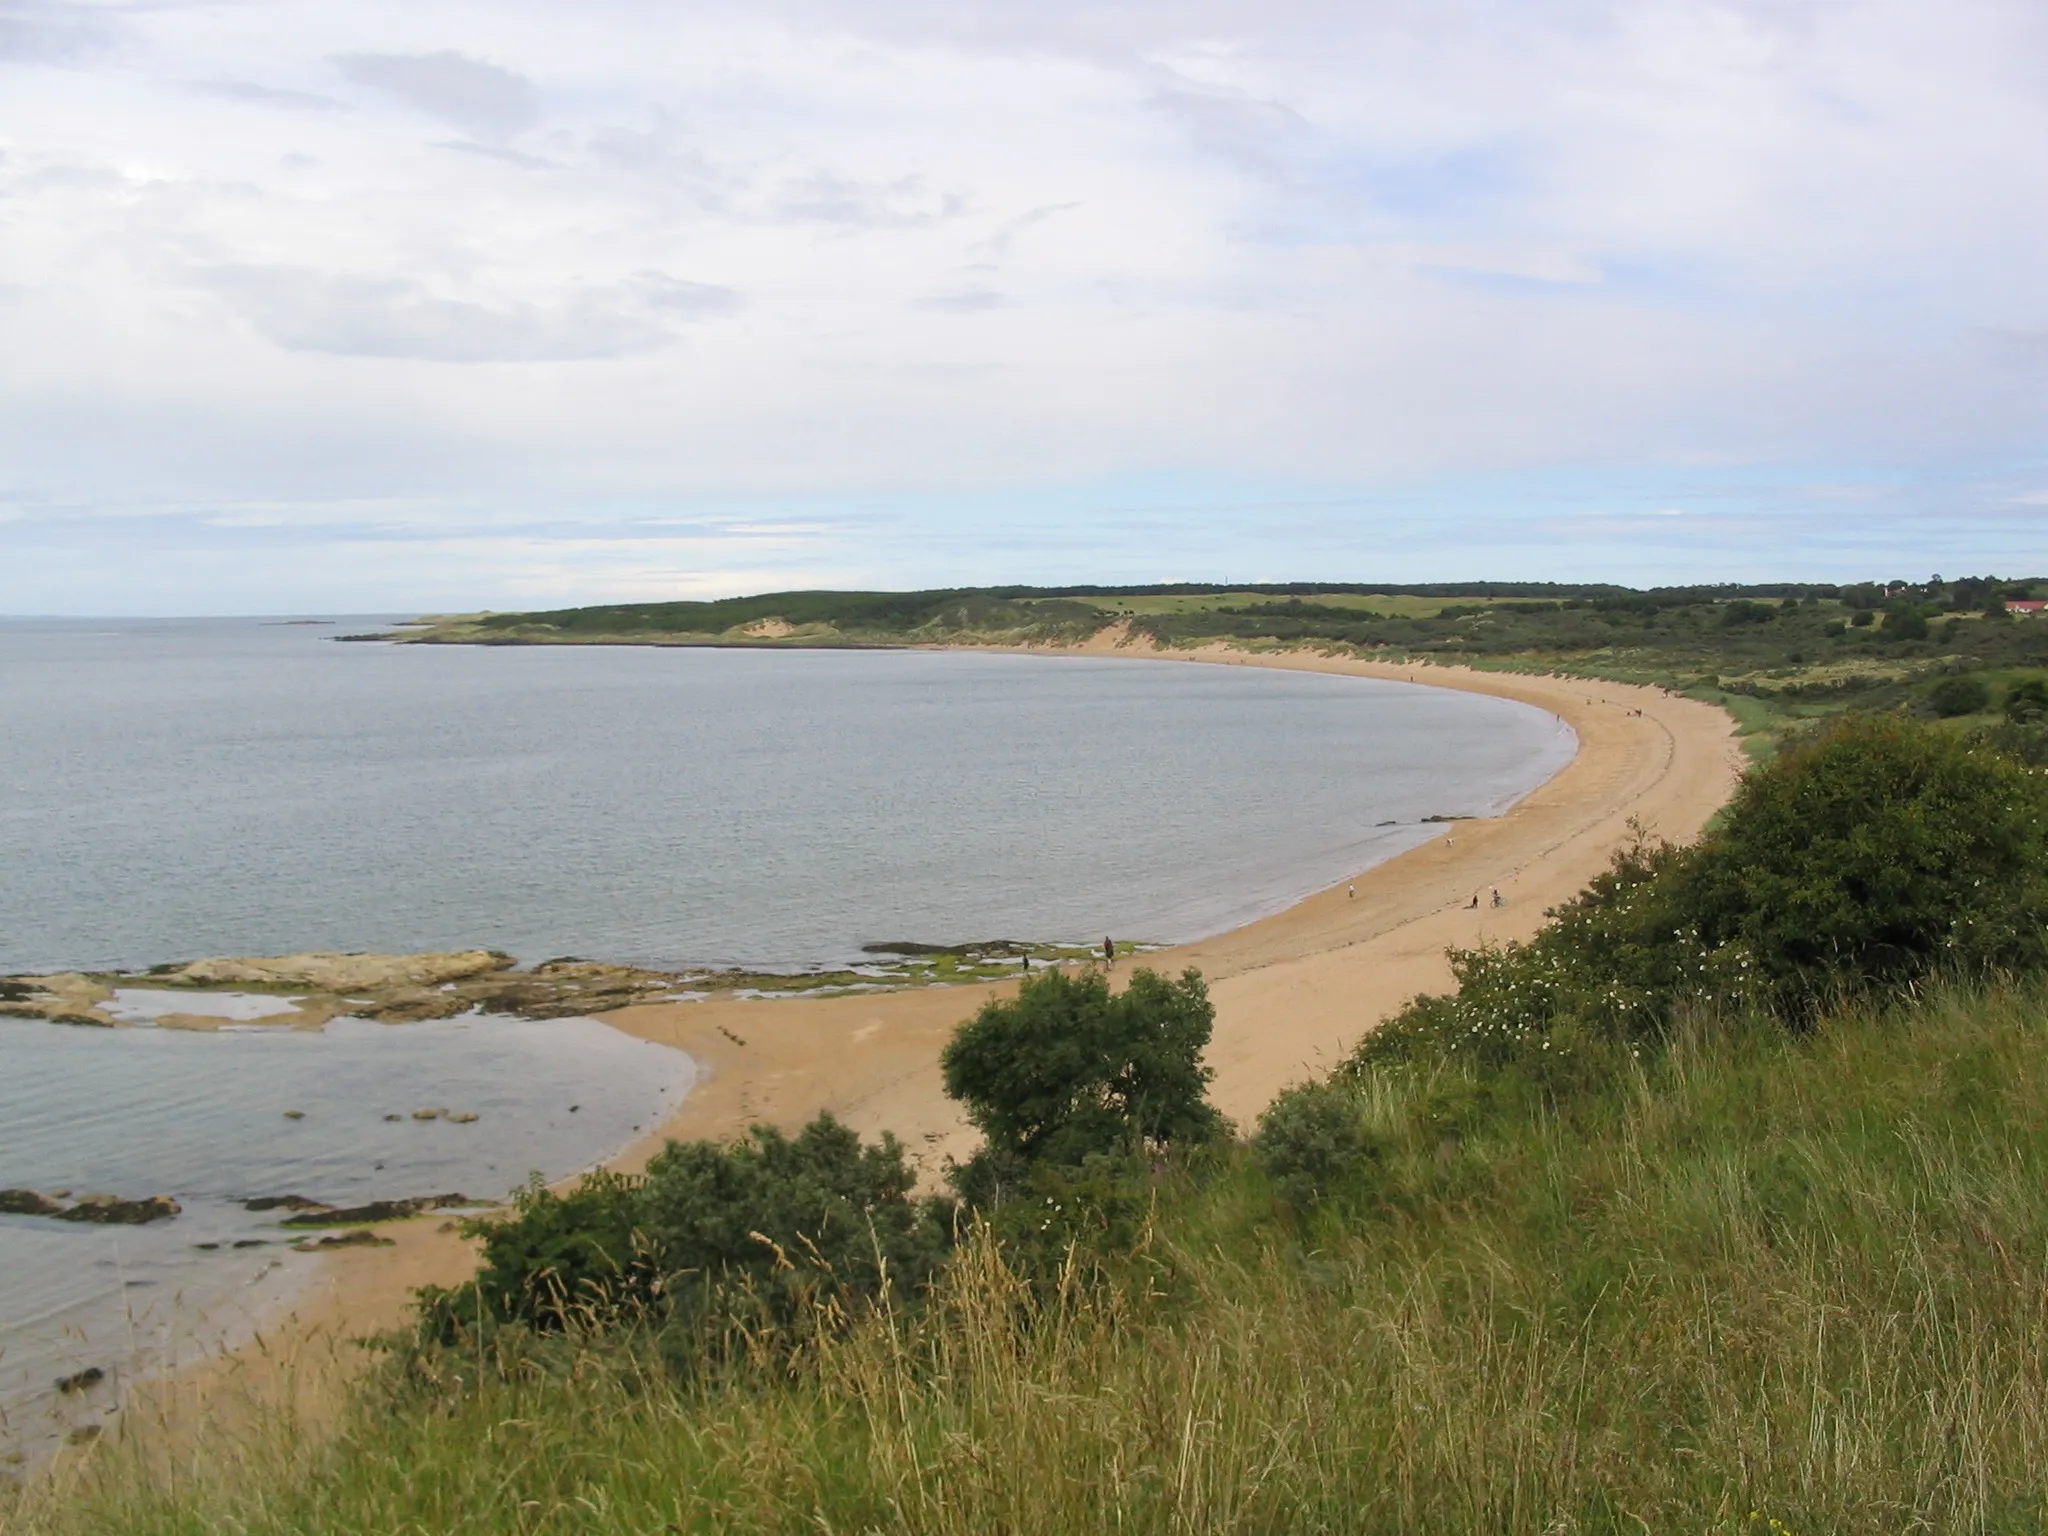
x: 1473, y: 904
x: 1109, y: 952
x: 1497, y: 900
x: 1350, y: 891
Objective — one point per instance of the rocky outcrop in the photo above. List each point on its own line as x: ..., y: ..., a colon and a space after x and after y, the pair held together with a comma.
x: 64, y: 998
x: 376, y: 1210
x: 570, y: 988
x: 408, y: 989
x: 362, y: 1237
x: 323, y: 972
x: 99, y: 1210
x: 285, y: 1203
x: 112, y: 1211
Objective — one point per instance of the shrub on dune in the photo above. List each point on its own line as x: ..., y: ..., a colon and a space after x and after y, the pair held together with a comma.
x: 1874, y: 855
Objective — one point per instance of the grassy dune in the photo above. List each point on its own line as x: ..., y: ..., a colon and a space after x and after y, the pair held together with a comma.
x: 1761, y: 1282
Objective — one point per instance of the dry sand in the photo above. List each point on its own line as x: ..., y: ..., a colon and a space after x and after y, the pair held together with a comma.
x: 1293, y: 992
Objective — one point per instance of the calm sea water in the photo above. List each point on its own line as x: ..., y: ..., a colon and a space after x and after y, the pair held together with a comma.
x: 202, y: 1116
x: 177, y: 789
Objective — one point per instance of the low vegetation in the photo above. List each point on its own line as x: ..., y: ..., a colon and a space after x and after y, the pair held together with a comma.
x: 1775, y: 654
x: 1720, y: 1206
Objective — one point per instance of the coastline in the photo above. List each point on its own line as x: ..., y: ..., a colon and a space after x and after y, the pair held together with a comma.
x: 1293, y: 992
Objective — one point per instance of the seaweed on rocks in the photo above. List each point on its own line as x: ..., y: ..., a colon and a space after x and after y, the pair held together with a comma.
x: 375, y: 1210
x: 98, y: 1210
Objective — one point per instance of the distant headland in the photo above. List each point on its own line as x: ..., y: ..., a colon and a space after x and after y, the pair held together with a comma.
x: 1772, y: 653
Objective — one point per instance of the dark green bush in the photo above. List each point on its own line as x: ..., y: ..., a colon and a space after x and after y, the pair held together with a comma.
x: 1067, y: 1068
x: 1312, y: 1138
x: 769, y: 1238
x: 1904, y: 622
x: 1871, y: 856
x: 2026, y: 701
x: 1954, y: 696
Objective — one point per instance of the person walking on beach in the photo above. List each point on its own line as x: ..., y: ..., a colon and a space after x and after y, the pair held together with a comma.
x: 1497, y: 899
x: 1350, y: 891
x: 1473, y: 904
x: 1109, y: 953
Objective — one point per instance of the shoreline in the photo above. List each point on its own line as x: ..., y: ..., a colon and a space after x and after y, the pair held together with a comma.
x: 1293, y: 991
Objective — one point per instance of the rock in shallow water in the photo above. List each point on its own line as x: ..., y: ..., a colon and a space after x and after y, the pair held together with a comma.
x: 100, y: 1210
x: 110, y: 1210
x: 362, y: 1237
x: 376, y: 1210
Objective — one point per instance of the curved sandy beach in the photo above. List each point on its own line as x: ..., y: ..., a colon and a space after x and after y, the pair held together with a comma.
x: 1293, y: 992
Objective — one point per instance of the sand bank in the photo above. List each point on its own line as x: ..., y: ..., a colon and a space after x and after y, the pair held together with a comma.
x: 1293, y: 991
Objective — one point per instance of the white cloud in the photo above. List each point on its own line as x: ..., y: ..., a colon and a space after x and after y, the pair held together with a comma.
x: 482, y: 99
x: 984, y: 249
x: 387, y: 317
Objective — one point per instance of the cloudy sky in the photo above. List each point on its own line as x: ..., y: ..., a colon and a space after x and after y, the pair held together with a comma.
x: 358, y: 305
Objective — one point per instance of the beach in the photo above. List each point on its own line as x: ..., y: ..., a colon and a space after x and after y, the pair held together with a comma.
x: 1293, y: 992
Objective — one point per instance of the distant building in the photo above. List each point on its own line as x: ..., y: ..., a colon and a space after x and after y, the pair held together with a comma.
x: 2024, y: 605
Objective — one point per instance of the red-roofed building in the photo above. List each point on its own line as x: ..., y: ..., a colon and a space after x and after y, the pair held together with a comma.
x: 2024, y: 605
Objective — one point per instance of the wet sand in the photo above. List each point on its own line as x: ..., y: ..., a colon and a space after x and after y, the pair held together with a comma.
x: 1293, y: 992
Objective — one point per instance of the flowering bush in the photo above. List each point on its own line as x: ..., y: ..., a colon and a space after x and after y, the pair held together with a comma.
x: 1873, y: 855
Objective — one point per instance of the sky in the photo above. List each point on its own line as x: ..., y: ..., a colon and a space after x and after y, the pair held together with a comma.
x: 366, y: 307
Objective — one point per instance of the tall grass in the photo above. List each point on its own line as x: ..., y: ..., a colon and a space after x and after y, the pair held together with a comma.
x: 1760, y: 1283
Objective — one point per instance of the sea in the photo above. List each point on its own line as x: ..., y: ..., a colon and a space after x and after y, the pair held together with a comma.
x: 172, y: 789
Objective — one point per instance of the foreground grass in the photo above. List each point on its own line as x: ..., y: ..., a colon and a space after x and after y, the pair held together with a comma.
x: 1801, y: 1281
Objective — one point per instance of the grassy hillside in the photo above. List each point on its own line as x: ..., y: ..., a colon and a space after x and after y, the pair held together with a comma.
x: 1713, y: 1208
x: 1763, y: 1283
x: 1775, y: 654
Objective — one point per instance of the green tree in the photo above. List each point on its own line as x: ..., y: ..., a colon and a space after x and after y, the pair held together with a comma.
x: 1954, y: 696
x: 1905, y: 622
x: 1067, y: 1068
